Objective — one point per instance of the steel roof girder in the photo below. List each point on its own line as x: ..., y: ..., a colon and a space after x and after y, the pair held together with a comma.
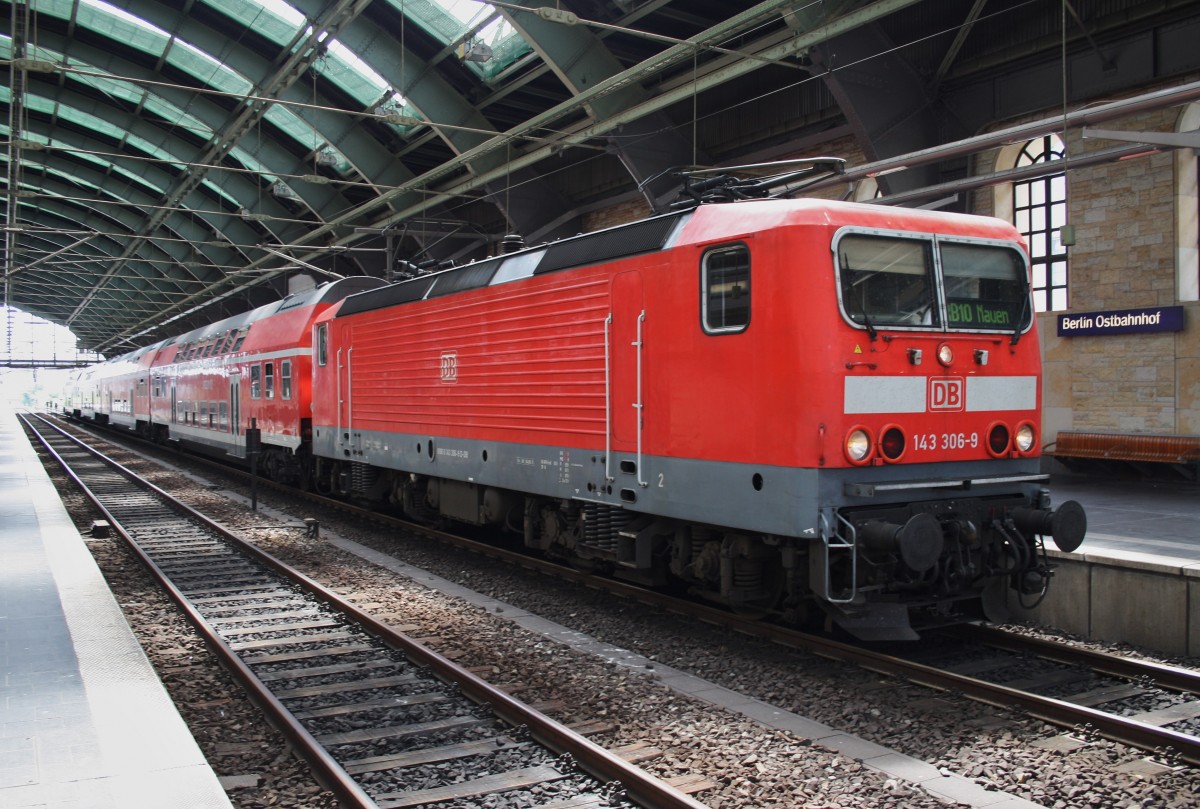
x: 234, y: 182
x: 577, y: 57
x: 439, y: 103
x: 890, y: 108
x: 269, y: 78
x: 219, y: 146
x: 133, y: 248
x: 646, y: 148
x: 234, y: 226
x: 113, y: 221
x: 431, y: 95
x: 186, y: 227
x: 113, y: 67
x: 93, y: 275
x: 44, y: 262
x: 849, y: 21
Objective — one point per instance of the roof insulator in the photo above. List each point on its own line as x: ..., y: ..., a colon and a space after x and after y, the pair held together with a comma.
x: 559, y: 15
x: 316, y: 179
x: 30, y: 145
x: 35, y: 65
x: 401, y: 120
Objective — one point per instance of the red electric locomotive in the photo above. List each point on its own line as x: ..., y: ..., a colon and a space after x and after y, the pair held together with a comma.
x: 206, y: 388
x: 792, y: 406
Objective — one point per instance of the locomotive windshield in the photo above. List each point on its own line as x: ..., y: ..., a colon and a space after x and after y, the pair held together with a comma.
x: 894, y: 281
x: 985, y: 286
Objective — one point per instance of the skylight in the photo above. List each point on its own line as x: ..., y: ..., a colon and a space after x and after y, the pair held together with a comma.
x: 135, y: 95
x: 453, y: 20
x: 129, y: 29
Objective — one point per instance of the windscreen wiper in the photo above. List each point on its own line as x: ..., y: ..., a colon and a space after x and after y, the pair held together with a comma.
x: 1016, y: 335
x: 871, y: 332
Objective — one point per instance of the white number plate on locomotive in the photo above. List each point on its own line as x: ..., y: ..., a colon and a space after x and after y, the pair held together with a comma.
x: 943, y: 441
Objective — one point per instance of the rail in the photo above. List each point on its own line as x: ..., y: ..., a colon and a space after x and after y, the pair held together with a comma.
x: 639, y: 786
x: 1058, y: 712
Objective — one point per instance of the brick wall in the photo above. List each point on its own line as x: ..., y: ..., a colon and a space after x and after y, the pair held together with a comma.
x: 619, y: 214
x: 1124, y: 257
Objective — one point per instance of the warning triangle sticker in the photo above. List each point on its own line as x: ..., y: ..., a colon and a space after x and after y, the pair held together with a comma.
x: 858, y: 349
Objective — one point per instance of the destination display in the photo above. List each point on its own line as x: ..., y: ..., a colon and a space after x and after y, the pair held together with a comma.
x: 1121, y: 321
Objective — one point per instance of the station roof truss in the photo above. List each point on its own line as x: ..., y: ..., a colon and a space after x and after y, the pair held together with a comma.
x: 169, y: 163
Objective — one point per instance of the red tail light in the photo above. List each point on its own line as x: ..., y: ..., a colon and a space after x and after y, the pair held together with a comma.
x: 892, y: 444
x: 998, y: 439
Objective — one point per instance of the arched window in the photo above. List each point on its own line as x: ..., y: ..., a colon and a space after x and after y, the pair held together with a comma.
x: 1039, y: 210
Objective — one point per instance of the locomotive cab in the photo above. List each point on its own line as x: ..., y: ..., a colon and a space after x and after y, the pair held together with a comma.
x: 940, y: 505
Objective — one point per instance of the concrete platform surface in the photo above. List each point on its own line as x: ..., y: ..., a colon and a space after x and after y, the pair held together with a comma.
x: 84, y: 720
x: 1135, y: 516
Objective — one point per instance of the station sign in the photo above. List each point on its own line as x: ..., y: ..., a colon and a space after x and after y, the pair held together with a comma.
x: 1121, y: 321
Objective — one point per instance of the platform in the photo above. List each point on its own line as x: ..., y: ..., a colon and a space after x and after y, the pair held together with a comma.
x: 84, y: 720
x: 1136, y: 577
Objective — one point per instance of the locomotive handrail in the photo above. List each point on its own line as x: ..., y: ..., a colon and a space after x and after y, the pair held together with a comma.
x: 349, y: 399
x: 608, y: 398
x: 338, y: 390
x: 828, y: 535
x: 640, y: 405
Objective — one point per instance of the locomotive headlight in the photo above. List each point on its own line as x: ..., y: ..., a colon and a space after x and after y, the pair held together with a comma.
x: 945, y: 354
x: 858, y: 446
x: 1024, y: 437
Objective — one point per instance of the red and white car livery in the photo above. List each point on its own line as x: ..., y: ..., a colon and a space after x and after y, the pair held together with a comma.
x: 206, y: 388
x: 778, y: 402
x: 791, y: 406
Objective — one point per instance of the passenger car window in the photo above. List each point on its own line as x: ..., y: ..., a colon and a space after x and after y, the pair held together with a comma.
x: 725, y: 289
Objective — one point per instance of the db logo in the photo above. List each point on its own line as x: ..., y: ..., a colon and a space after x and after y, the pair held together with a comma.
x: 946, y: 393
x: 450, y: 367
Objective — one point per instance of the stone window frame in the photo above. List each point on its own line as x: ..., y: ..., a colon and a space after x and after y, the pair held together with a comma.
x: 1004, y: 201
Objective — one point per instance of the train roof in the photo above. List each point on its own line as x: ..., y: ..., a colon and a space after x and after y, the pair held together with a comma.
x: 703, y: 223
x: 621, y: 241
x: 329, y: 292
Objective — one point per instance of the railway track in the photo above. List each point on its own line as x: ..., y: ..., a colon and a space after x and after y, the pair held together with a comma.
x: 384, y: 721
x: 1142, y: 703
x: 1145, y: 705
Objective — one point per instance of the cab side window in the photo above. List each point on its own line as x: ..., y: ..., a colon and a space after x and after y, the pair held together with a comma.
x: 322, y: 344
x: 725, y: 289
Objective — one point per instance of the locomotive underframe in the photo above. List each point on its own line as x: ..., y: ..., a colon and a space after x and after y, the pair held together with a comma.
x: 866, y: 546
x: 889, y: 550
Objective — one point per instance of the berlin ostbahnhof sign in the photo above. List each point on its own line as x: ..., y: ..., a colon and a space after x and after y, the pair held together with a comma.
x: 1121, y: 321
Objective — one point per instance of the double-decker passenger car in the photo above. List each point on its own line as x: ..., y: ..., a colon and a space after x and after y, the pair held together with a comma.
x: 206, y: 388
x: 783, y: 404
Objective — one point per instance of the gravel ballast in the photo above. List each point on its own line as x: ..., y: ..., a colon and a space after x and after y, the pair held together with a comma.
x: 747, y: 764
